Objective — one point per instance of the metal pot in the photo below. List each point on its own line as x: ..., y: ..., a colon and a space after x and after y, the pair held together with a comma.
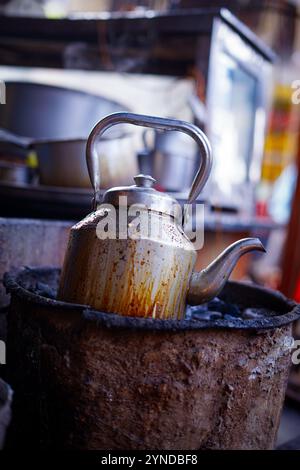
x: 44, y: 112
x: 59, y: 135
x: 173, y: 159
x: 13, y: 172
x: 62, y: 163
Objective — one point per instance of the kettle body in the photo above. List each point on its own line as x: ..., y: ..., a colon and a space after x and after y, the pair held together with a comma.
x: 141, y: 276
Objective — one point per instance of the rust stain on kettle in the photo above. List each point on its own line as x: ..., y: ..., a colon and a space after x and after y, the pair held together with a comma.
x: 140, y: 278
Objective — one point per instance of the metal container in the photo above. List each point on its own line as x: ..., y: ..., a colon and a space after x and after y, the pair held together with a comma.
x: 90, y: 380
x: 6, y: 395
x: 45, y: 112
x: 59, y: 135
x: 144, y: 267
x: 63, y: 163
x: 13, y: 173
x: 173, y: 159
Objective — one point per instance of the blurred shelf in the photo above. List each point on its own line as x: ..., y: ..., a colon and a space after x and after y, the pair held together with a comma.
x: 156, y: 42
x: 25, y: 200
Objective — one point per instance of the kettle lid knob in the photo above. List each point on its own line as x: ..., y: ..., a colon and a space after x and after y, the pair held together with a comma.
x: 144, y: 181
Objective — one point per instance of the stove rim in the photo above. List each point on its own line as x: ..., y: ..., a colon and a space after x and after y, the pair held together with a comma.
x: 112, y: 320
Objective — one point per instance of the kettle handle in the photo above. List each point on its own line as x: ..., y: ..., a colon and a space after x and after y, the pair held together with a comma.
x: 156, y: 123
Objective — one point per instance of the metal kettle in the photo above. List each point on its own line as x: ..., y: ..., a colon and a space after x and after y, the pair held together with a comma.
x: 143, y: 275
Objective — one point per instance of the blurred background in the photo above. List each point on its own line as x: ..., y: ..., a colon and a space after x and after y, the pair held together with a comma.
x: 231, y: 67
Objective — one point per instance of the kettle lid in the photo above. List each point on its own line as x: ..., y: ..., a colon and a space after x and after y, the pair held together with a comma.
x: 142, y: 194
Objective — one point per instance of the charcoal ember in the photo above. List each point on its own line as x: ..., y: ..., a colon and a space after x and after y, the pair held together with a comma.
x: 218, y: 309
x: 251, y: 314
x: 217, y: 305
x: 215, y: 315
x: 230, y: 320
x: 229, y: 317
x: 206, y: 315
x: 198, y: 309
x: 199, y: 312
x: 188, y: 313
x: 233, y: 310
x: 45, y: 290
x: 224, y: 307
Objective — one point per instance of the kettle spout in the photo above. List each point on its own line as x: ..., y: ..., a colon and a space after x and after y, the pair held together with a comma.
x: 208, y: 283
